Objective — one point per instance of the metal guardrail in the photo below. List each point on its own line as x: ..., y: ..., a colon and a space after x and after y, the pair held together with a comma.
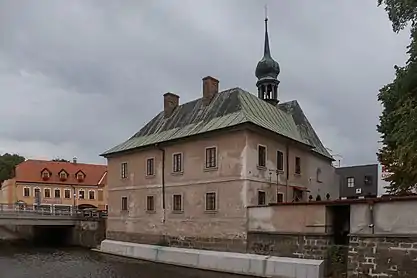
x: 36, y: 211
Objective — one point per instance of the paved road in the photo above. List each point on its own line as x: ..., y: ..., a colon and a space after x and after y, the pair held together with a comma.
x: 31, y: 262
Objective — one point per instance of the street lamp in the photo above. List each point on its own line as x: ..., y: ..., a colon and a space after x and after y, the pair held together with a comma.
x: 74, y: 198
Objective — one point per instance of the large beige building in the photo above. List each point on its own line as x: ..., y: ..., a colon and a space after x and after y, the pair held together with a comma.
x: 187, y: 177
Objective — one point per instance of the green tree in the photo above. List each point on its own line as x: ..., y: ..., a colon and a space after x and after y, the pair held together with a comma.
x: 7, y: 164
x: 60, y: 160
x: 398, y: 122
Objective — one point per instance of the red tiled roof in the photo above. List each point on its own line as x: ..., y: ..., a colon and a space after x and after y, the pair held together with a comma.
x: 30, y: 171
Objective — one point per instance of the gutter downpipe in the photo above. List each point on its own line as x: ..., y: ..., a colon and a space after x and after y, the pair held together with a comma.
x: 372, y: 217
x: 287, y: 171
x: 162, y: 181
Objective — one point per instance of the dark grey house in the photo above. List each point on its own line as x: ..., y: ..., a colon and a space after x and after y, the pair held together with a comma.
x: 360, y: 180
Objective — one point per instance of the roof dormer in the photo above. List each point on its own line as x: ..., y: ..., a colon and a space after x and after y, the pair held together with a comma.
x: 63, y: 175
x: 80, y: 176
x: 46, y: 174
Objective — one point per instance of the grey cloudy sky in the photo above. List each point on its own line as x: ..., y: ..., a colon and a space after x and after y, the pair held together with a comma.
x: 77, y: 77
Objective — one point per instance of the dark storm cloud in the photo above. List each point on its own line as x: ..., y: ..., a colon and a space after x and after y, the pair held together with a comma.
x: 89, y: 74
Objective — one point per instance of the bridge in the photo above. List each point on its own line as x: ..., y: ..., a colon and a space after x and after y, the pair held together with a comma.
x: 18, y: 215
x: 75, y: 227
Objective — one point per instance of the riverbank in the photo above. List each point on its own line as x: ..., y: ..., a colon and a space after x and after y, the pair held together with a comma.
x: 227, y: 262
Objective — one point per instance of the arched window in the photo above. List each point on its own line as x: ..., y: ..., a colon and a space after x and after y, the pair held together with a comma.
x: 318, y: 175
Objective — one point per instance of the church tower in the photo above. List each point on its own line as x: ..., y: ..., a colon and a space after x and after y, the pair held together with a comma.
x: 267, y: 72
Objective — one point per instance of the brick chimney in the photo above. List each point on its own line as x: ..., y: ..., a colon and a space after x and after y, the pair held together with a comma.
x: 210, y: 89
x: 171, y: 102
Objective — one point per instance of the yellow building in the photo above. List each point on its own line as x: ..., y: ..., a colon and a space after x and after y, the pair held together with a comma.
x: 63, y: 185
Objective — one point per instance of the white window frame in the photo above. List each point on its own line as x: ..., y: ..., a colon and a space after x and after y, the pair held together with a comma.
x: 153, y: 166
x: 123, y: 170
x: 181, y: 170
x: 60, y: 193
x: 216, y: 199
x: 47, y: 172
x: 94, y: 194
x: 350, y: 181
x: 258, y: 157
x: 70, y: 193
x: 173, y: 202
x: 50, y: 193
x: 63, y: 175
x: 216, y: 157
x: 34, y: 191
x: 26, y: 187
x: 81, y: 190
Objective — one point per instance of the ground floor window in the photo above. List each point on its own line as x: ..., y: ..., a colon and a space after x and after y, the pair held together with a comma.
x: 124, y: 203
x: 211, y: 201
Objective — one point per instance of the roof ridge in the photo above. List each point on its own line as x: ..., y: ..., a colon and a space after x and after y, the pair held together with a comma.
x: 62, y: 162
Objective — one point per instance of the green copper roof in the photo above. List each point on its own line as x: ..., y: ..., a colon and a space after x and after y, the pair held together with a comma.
x: 227, y: 109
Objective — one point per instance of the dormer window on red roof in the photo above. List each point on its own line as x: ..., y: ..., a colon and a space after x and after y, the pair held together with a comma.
x: 63, y: 175
x: 45, y: 174
x: 80, y: 176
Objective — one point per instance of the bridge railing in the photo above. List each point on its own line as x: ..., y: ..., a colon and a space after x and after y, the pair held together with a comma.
x: 12, y: 209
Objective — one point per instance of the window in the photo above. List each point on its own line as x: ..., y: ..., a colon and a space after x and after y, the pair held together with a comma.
x: 91, y: 195
x: 57, y: 193
x: 211, y: 201
x: 150, y: 203
x: 280, y: 197
x: 63, y: 175
x: 100, y: 195
x: 261, y: 156
x: 177, y: 162
x: 80, y: 176
x: 280, y: 161
x: 318, y: 175
x: 298, y: 165
x: 350, y: 182
x: 123, y: 170
x: 261, y: 198
x: 177, y: 202
x: 47, y: 193
x: 211, y: 157
x: 37, y: 192
x: 150, y: 166
x: 45, y: 174
x: 367, y: 180
x: 81, y: 194
x: 124, y: 203
x: 26, y: 192
x: 67, y: 193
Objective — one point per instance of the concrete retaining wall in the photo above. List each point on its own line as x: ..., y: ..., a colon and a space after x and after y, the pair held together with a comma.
x: 238, y: 263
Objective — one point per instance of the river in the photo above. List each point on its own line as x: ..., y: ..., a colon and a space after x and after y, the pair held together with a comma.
x: 25, y: 261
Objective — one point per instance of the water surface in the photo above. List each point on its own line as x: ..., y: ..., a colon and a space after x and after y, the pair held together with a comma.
x: 25, y: 261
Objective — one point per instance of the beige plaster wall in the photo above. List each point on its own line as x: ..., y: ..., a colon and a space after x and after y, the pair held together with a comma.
x: 288, y: 219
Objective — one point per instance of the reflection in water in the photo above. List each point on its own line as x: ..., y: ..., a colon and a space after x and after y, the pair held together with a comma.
x: 35, y: 262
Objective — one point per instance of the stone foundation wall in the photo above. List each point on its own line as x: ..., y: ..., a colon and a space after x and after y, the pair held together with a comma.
x: 205, y: 243
x: 306, y: 246
x: 392, y: 256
